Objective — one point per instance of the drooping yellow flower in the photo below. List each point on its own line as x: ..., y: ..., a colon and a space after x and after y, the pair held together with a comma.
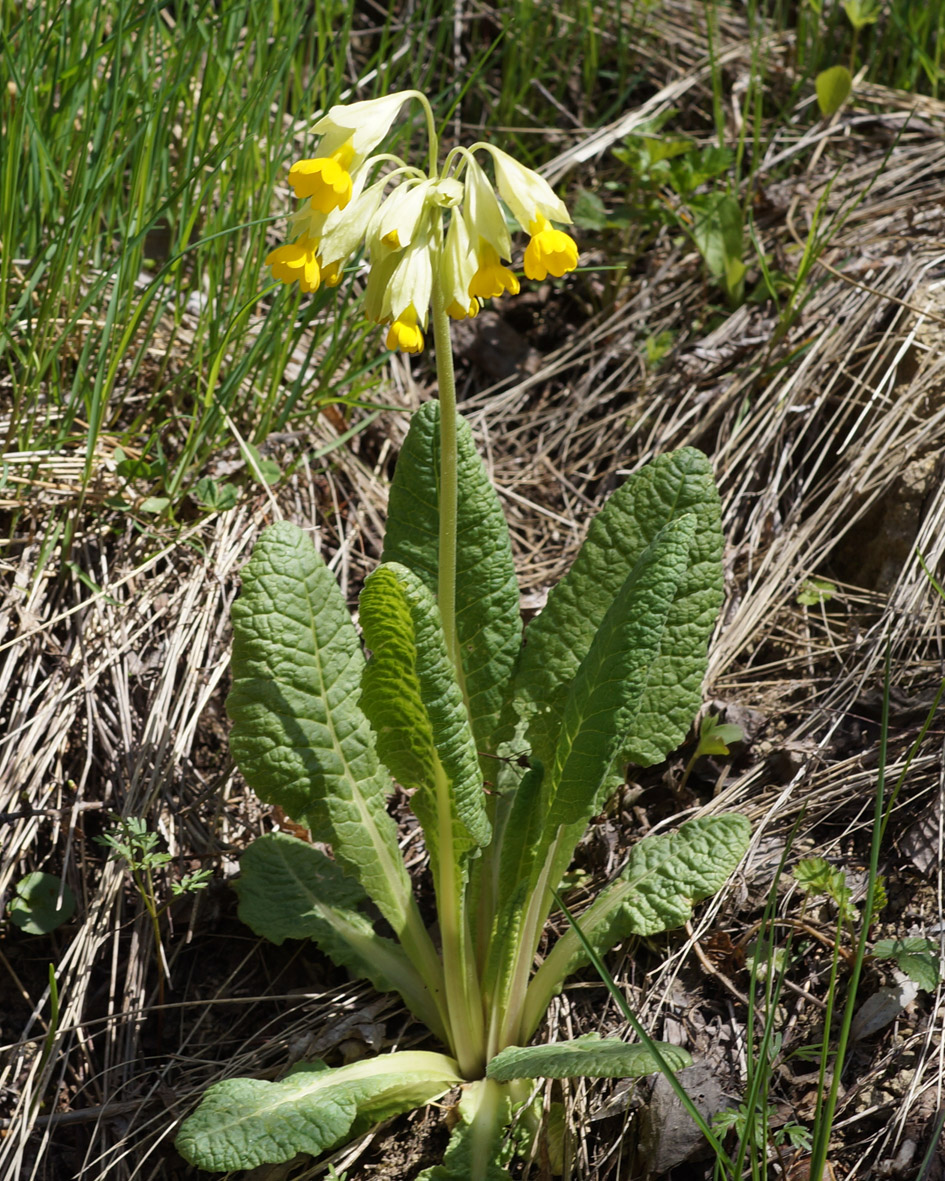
x: 457, y: 270
x: 491, y: 278
x: 525, y: 192
x: 296, y: 262
x: 351, y: 199
x: 361, y: 125
x: 325, y: 180
x: 404, y: 335
x: 549, y: 250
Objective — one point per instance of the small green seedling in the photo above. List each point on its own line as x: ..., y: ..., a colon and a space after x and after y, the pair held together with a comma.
x: 816, y: 591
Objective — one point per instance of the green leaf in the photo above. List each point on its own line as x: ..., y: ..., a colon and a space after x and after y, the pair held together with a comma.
x: 299, y: 735
x: 290, y: 890
x: 215, y: 494
x: 816, y: 591
x: 412, y: 698
x: 245, y: 1122
x: 815, y: 876
x: 608, y: 689
x: 589, y: 211
x: 590, y: 1056
x: 714, y: 736
x: 717, y: 231
x: 861, y: 13
x: 268, y: 469
x: 665, y: 876
x: 560, y: 637
x: 833, y: 89
x: 488, y: 618
x: 36, y: 907
x: 410, y: 695
x: 914, y: 955
x: 154, y: 504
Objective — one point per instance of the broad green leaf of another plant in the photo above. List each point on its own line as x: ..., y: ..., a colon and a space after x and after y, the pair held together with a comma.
x: 718, y: 232
x: 914, y: 955
x: 590, y: 1056
x: 861, y: 13
x: 714, y: 736
x: 245, y: 1122
x: 36, y: 907
x: 560, y: 637
x: 290, y: 890
x: 665, y: 876
x: 299, y: 735
x: 488, y: 618
x: 833, y: 88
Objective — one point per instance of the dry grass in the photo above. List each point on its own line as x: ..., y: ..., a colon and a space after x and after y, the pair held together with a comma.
x: 827, y: 443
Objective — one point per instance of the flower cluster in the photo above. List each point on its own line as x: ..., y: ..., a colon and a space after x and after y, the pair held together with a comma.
x: 348, y: 198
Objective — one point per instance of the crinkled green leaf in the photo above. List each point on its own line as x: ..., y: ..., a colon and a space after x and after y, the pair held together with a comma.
x: 488, y: 619
x: 245, y: 1122
x: 590, y: 1056
x: 416, y: 707
x: 665, y: 876
x: 559, y: 638
x: 299, y: 735
x: 485, y: 1110
x: 290, y: 890
x: 601, y: 710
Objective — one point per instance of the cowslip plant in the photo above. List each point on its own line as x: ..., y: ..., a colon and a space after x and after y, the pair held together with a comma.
x: 506, y: 748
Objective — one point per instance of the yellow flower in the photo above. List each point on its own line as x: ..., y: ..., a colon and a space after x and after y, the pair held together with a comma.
x: 526, y: 193
x: 296, y: 262
x: 404, y: 335
x: 361, y: 125
x: 492, y: 278
x: 484, y: 217
x: 325, y: 180
x: 549, y: 250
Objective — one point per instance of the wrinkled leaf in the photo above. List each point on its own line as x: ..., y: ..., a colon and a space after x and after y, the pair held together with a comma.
x: 290, y: 890
x: 665, y: 876
x: 488, y: 618
x: 600, y: 714
x: 299, y: 735
x: 560, y: 637
x: 245, y: 1122
x: 416, y: 707
x: 590, y: 1056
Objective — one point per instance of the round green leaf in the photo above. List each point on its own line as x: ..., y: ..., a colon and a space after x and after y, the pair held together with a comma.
x: 34, y: 909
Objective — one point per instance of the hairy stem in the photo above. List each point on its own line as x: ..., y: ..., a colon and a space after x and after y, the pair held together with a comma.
x: 446, y: 574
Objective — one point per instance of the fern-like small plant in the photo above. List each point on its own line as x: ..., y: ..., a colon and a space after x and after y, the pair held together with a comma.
x: 507, y: 745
